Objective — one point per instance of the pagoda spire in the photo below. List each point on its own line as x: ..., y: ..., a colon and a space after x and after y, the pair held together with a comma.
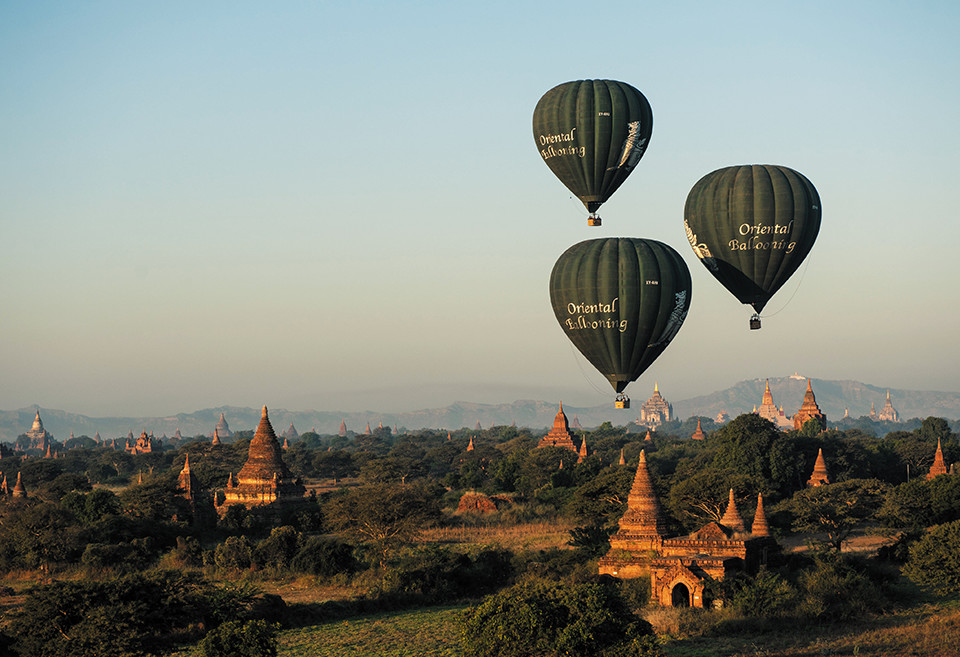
x: 643, y: 516
x: 767, y: 395
x: 809, y: 410
x: 583, y: 451
x: 622, y: 461
x: 760, y: 527
x: 731, y: 517
x: 698, y: 434
x: 938, y: 467
x: 470, y: 445
x: 820, y: 475
x: 559, y: 434
x: 19, y: 490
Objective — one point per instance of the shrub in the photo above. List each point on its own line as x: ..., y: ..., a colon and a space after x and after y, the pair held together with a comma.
x: 125, y: 617
x: 278, y: 549
x: 325, y: 557
x: 593, y: 540
x: 766, y: 594
x: 134, y: 555
x: 839, y: 588
x: 235, y: 553
x: 537, y: 617
x: 934, y: 560
x: 255, y: 638
x: 438, y: 574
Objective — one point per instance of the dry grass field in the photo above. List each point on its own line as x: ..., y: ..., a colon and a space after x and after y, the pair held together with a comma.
x: 528, y: 536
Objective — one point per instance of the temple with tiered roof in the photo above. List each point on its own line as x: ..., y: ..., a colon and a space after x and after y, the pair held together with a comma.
x: 809, y: 411
x: 939, y: 466
x: 769, y: 411
x: 143, y: 444
x: 559, y: 434
x: 820, y: 476
x: 222, y: 429
x: 264, y: 479
x: 38, y: 436
x: 698, y: 434
x: 656, y: 410
x: 888, y: 413
x: 681, y: 568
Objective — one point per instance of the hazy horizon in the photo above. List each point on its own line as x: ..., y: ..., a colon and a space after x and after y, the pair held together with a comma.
x: 342, y: 205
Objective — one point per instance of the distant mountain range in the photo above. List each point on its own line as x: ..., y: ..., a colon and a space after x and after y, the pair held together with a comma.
x: 833, y: 398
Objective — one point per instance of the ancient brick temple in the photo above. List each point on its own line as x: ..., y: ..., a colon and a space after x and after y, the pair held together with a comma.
x: 559, y: 434
x: 768, y: 410
x: 681, y: 568
x: 820, y: 476
x: 656, y: 410
x: 809, y: 411
x: 698, y: 434
x: 888, y: 413
x: 264, y: 479
x: 188, y: 486
x: 939, y: 466
x: 222, y: 429
x: 38, y: 436
x: 143, y: 444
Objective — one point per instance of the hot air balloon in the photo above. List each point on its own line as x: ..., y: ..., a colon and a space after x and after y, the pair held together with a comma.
x: 592, y: 133
x: 752, y: 226
x: 620, y: 300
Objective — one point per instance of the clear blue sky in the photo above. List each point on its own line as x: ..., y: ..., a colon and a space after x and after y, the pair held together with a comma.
x: 339, y: 205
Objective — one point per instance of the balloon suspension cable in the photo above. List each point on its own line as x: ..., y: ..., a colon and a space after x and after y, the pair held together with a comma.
x: 576, y: 357
x: 786, y: 303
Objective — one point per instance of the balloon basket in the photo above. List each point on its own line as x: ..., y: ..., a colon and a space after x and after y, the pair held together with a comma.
x: 593, y: 220
x: 622, y: 401
x: 755, y: 322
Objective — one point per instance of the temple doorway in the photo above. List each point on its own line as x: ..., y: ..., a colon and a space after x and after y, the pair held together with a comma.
x: 681, y: 596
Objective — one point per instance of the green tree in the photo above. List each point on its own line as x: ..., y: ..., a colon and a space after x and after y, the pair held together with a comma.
x: 836, y: 509
x: 278, y: 549
x: 603, y: 498
x: 933, y: 429
x: 90, y: 507
x: 383, y: 515
x: 703, y: 497
x: 391, y: 469
x: 935, y: 559
x: 155, y: 499
x: 753, y: 446
x: 38, y: 536
x: 335, y: 464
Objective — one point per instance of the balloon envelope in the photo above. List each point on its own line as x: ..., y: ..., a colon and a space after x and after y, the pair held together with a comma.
x: 592, y: 133
x: 752, y: 226
x: 621, y: 301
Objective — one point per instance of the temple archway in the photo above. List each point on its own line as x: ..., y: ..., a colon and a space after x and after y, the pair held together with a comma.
x: 680, y: 596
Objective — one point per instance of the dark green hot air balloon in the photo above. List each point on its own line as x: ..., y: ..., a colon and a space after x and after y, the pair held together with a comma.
x: 620, y: 300
x: 592, y: 133
x: 752, y: 226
